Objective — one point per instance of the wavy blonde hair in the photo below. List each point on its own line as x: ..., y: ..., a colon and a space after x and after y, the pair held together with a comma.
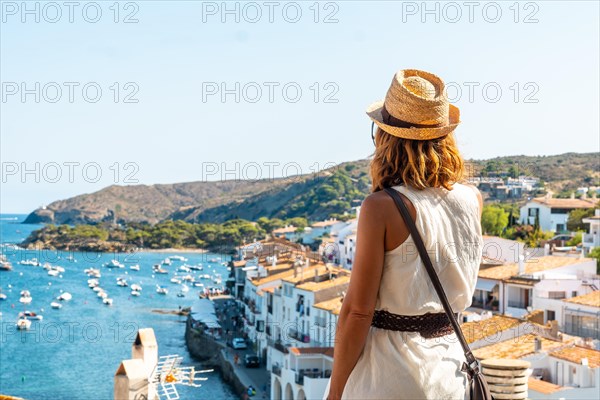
x: 417, y: 163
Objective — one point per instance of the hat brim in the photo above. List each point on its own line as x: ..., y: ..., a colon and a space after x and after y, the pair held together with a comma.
x: 374, y: 111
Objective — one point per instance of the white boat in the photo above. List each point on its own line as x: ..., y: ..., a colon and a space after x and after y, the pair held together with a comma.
x: 122, y: 282
x: 97, y: 289
x: 198, y: 284
x: 30, y: 315
x: 66, y: 296
x: 185, y: 289
x: 102, y: 295
x: 33, y: 262
x: 136, y: 287
x: 161, y: 290
x: 2, y: 296
x: 58, y: 268
x: 23, y: 324
x: 5, y: 266
x: 56, y: 305
x: 196, y: 267
x: 107, y: 301
x: 92, y: 283
x: 176, y: 281
x: 135, y: 293
x: 25, y: 299
x: 184, y: 268
x: 158, y: 270
x: 53, y: 272
x: 180, y: 294
x: 166, y: 261
x: 178, y: 258
x: 114, y: 264
x: 188, y: 278
x: 135, y: 267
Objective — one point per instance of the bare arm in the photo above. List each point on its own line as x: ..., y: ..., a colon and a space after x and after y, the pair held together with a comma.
x: 359, y: 303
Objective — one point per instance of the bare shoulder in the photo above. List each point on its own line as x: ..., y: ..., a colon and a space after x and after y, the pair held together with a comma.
x: 381, y: 204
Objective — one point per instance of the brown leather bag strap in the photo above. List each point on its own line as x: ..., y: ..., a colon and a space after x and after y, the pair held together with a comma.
x: 471, y: 364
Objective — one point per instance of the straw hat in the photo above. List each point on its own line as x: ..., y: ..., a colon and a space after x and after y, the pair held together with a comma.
x: 416, y: 107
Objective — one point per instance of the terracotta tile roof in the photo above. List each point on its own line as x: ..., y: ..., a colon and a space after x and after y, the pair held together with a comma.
x: 477, y: 330
x: 328, y: 351
x: 241, y: 263
x: 313, y: 286
x: 515, y: 348
x: 538, y: 264
x: 269, y: 289
x: 286, y: 229
x: 565, y: 203
x: 590, y: 299
x: 575, y: 354
x: 271, y: 277
x: 308, y: 273
x: 333, y: 305
x: 544, y: 387
x: 322, y: 224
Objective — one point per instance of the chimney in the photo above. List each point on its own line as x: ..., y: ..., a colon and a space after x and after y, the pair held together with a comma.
x: 131, y: 381
x: 521, y: 264
x: 537, y: 344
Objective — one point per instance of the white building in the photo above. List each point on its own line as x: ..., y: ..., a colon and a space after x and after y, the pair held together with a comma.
x: 552, y: 213
x: 592, y: 238
x: 513, y: 286
x: 303, y: 374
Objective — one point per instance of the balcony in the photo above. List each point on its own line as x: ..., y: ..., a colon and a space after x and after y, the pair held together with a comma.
x: 301, y: 337
x: 517, y: 304
x: 320, y: 321
x: 277, y: 345
x: 276, y: 369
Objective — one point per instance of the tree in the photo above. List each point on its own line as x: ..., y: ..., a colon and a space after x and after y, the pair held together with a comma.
x: 493, y: 220
x: 575, y: 223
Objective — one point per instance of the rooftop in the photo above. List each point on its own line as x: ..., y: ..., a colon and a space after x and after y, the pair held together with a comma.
x: 576, y: 353
x: 590, y: 299
x: 544, y: 387
x: 308, y: 273
x: 272, y: 277
x: 328, y: 351
x: 333, y: 305
x: 477, y: 330
x: 565, y: 203
x: 313, y: 286
x: 532, y: 265
x: 285, y: 229
x: 515, y: 348
x: 322, y: 224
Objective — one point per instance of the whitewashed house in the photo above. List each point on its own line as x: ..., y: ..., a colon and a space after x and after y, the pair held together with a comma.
x: 592, y: 238
x: 303, y: 374
x: 553, y: 213
x: 511, y: 286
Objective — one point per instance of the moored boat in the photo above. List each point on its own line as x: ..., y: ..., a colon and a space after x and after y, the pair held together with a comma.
x: 30, y: 315
x: 23, y: 324
x: 56, y: 305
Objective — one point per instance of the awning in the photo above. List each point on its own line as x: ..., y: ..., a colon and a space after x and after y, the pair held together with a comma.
x: 486, y: 286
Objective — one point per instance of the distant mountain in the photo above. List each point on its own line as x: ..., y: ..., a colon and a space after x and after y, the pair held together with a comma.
x: 312, y: 196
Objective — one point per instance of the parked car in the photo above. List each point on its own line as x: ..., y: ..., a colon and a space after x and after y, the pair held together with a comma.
x: 239, y: 343
x: 251, y: 361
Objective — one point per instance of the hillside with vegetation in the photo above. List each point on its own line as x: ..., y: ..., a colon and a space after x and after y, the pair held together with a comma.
x: 332, y: 192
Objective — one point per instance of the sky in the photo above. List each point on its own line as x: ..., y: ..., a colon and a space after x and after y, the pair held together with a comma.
x: 148, y: 92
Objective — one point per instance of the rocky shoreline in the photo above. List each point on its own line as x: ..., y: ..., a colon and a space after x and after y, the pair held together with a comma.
x: 205, y: 349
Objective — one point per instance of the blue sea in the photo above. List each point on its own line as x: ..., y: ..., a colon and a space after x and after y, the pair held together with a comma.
x: 74, y: 352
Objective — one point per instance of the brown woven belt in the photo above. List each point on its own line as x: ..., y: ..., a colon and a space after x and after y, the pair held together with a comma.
x: 430, y: 325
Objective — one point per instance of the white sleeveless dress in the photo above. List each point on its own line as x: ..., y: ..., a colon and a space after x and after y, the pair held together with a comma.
x: 404, y: 365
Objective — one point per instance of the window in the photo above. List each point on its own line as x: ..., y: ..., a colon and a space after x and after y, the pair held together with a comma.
x: 533, y: 212
x: 557, y: 295
x: 550, y: 315
x: 574, y: 293
x: 560, y: 227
